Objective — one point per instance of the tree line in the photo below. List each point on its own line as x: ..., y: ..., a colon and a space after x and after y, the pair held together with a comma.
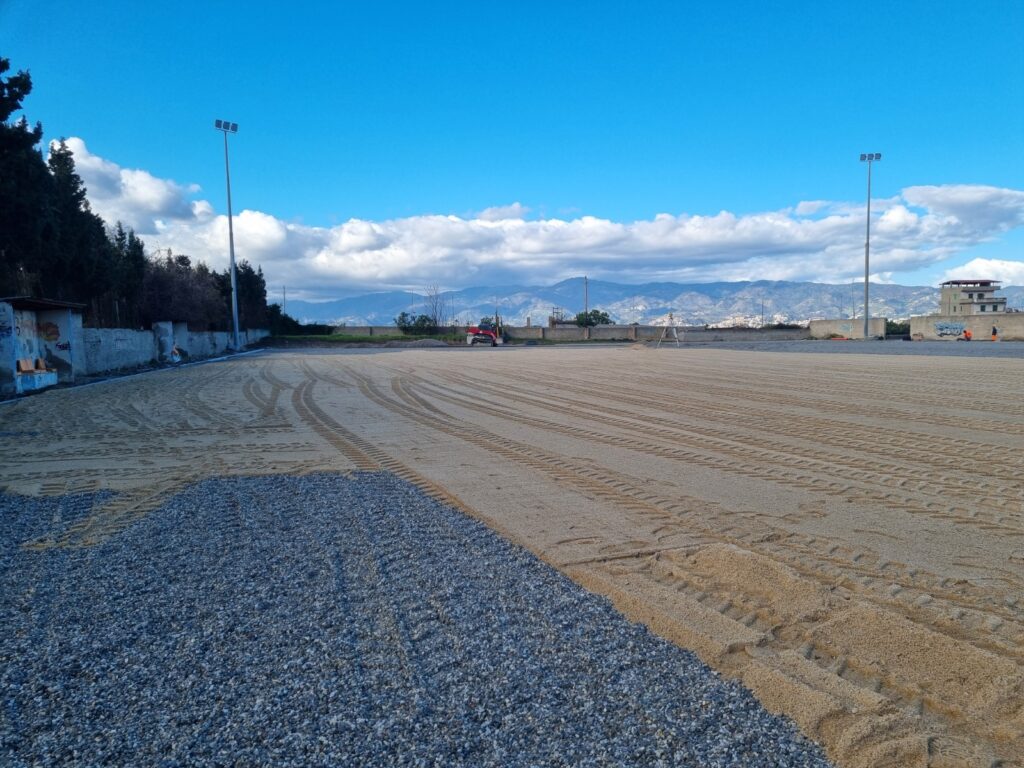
x: 53, y: 246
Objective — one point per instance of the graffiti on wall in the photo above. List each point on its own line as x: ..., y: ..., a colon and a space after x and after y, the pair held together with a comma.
x: 948, y: 328
x: 48, y: 331
x: 24, y: 326
x: 25, y: 331
x: 5, y: 330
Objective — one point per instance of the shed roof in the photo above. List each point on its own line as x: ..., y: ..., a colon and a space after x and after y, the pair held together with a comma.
x: 27, y: 302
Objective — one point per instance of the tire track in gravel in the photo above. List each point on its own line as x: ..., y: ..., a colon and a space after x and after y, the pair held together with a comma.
x: 110, y: 518
x: 860, y: 691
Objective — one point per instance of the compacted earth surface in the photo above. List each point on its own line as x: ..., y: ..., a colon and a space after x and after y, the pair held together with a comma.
x: 843, y: 534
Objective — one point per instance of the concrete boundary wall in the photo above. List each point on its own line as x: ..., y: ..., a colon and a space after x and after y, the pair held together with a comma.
x: 531, y: 332
x: 850, y: 329
x: 745, y: 334
x: 367, y: 330
x: 52, y: 330
x: 114, y: 349
x: 951, y: 327
x: 606, y: 333
x: 8, y: 349
x: 653, y: 333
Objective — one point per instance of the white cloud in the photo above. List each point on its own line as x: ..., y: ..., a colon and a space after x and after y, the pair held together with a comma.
x: 1009, y: 272
x: 810, y: 207
x: 814, y: 240
x: 979, y: 210
x: 135, y: 198
x: 499, y: 212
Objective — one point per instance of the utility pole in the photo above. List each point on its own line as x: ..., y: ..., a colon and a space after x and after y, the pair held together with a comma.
x: 586, y: 297
x: 284, y: 299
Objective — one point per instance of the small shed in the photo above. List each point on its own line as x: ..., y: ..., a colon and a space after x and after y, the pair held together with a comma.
x: 36, y: 347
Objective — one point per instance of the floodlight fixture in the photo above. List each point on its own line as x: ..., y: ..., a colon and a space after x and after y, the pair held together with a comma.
x: 227, y: 127
x: 869, y: 157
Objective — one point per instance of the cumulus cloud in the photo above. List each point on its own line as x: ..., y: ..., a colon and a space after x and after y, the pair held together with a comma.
x: 134, y: 197
x: 983, y: 211
x: 813, y: 240
x: 1009, y: 272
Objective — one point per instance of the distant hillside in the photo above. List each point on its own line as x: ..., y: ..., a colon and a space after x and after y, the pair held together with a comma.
x: 691, y: 304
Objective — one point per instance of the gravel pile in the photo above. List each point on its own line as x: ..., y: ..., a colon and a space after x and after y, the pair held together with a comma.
x: 417, y: 343
x: 327, y: 620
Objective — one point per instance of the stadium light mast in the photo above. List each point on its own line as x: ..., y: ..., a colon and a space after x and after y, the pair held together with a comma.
x: 868, y: 158
x: 226, y: 127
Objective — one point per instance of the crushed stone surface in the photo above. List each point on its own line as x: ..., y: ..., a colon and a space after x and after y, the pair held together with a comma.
x: 338, y: 620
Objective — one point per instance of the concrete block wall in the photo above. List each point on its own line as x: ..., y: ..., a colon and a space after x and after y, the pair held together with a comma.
x: 367, y: 330
x: 565, y: 334
x: 851, y: 329
x: 115, y: 349
x: 526, y: 332
x: 199, y: 344
x: 613, y: 332
x: 57, y: 336
x: 951, y: 327
x: 8, y: 349
x: 653, y: 333
x: 744, y: 334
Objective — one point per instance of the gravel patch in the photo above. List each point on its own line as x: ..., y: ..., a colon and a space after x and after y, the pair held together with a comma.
x: 331, y: 620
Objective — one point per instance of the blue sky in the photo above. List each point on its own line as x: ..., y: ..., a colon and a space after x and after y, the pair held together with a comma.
x: 373, y: 135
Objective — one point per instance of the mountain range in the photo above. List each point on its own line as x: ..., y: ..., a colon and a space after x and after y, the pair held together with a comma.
x: 725, y: 303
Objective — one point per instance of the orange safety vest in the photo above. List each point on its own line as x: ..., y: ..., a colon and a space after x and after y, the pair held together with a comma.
x: 968, y: 335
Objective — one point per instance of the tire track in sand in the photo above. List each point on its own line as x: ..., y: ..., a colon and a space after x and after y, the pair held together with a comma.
x: 864, y: 708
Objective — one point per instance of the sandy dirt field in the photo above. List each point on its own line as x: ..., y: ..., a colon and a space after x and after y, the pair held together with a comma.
x: 843, y: 533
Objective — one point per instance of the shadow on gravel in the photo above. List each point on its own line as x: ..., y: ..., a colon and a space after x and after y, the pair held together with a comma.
x: 333, y: 620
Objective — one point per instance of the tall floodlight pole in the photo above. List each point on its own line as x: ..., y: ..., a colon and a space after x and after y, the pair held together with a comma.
x: 227, y: 127
x: 868, y: 158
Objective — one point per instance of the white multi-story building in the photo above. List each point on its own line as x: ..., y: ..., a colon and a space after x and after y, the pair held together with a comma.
x: 970, y: 297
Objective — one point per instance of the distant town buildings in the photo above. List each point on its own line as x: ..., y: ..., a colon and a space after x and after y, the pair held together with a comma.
x: 970, y: 297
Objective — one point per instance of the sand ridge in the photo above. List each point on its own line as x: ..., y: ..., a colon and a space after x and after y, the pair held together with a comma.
x: 843, y: 533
